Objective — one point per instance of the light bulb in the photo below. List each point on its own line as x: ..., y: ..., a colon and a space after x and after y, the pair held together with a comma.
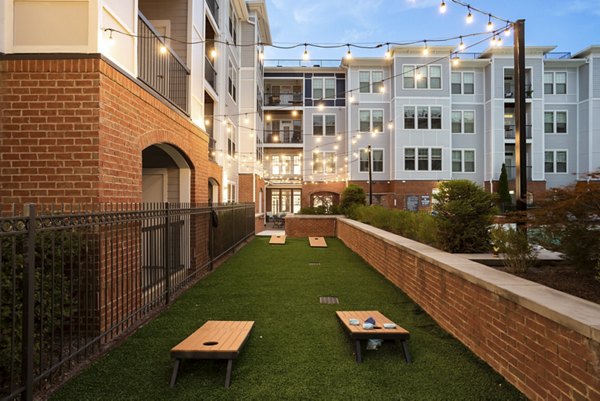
x: 418, y: 75
x: 443, y: 7
x: 426, y: 50
x: 388, y: 53
x: 499, y: 41
x: 507, y: 30
x: 321, y: 106
x: 268, y: 117
x: 163, y: 49
x: 490, y: 25
x: 213, y: 53
x: 390, y: 125
x: 207, y: 122
x: 305, y: 56
x: 348, y: 53
x: 455, y: 61
x: 261, y: 55
x: 246, y: 119
x: 382, y: 88
x: 111, y: 40
x: 351, y: 98
x: 294, y: 113
x: 469, y: 16
x: 461, y: 45
x: 493, y: 41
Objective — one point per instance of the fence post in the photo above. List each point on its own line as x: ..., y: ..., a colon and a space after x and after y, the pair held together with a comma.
x: 167, y: 252
x: 28, y: 301
x: 233, y: 233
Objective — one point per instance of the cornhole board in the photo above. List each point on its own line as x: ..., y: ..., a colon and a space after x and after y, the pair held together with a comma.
x: 317, y: 242
x: 277, y: 240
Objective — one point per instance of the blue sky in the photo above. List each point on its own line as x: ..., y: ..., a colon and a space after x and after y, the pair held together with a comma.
x: 571, y: 25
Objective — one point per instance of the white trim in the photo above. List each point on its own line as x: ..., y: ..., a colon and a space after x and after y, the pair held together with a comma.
x: 416, y: 118
x: 462, y: 160
x: 371, y: 83
x: 382, y: 160
x: 554, y: 162
x: 323, y: 119
x: 371, y: 120
x: 554, y: 122
x: 415, y: 68
x: 462, y: 83
x: 462, y: 122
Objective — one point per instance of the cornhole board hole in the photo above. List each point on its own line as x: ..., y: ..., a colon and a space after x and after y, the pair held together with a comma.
x: 317, y: 242
x: 277, y: 240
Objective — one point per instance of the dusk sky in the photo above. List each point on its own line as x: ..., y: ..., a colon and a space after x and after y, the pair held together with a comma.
x: 571, y: 25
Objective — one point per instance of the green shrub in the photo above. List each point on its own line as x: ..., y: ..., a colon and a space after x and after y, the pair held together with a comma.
x: 321, y: 209
x: 513, y: 244
x: 353, y: 195
x: 464, y: 211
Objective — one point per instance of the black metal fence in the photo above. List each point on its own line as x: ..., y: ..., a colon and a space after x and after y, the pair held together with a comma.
x: 160, y: 67
x: 74, y: 279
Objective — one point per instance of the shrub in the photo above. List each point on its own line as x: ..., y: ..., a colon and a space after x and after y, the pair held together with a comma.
x: 464, y: 211
x: 321, y: 209
x: 513, y: 244
x: 568, y: 221
x: 352, y: 196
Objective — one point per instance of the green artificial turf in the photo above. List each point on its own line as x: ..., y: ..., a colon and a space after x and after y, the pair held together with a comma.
x: 297, y: 349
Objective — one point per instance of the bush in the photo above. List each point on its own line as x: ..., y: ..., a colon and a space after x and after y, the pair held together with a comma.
x: 513, y: 244
x: 417, y: 226
x: 352, y: 196
x: 464, y: 211
x: 568, y: 221
x: 321, y: 209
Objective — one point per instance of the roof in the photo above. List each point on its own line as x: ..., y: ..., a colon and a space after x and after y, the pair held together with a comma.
x: 260, y: 7
x: 509, y: 51
x: 587, y: 51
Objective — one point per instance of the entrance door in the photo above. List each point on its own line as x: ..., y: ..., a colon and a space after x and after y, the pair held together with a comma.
x: 154, y: 185
x: 287, y: 127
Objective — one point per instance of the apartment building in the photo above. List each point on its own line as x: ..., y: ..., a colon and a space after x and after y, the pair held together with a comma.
x: 129, y: 101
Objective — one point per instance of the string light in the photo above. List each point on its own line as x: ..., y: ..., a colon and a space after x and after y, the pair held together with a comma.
x: 461, y: 45
x: 111, y: 40
x: 305, y: 56
x: 348, y: 53
x: 268, y: 117
x: 390, y: 125
x: 246, y: 119
x: 388, y: 53
x: 426, y: 50
x: 469, y: 15
x: 499, y: 41
x: 294, y: 113
x: 443, y: 7
x: 213, y: 53
x: 490, y: 25
x: 261, y: 54
x: 507, y: 30
x: 455, y: 61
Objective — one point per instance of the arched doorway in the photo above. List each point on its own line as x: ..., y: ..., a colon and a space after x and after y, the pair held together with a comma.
x: 213, y: 191
x: 166, y: 177
x: 324, y: 199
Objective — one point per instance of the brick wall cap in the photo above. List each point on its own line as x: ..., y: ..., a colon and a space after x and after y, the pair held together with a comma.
x: 314, y: 216
x: 575, y: 313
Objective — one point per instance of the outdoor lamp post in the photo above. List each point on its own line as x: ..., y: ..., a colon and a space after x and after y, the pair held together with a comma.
x: 370, y: 164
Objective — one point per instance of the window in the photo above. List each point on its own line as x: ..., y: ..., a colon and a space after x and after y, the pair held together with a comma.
x: 370, y: 81
x: 555, y: 161
x: 377, y: 160
x: 555, y: 122
x: 297, y: 165
x: 463, y: 122
x: 323, y: 124
x: 422, y: 77
x: 232, y: 81
x: 463, y: 83
x: 555, y: 83
x: 232, y: 24
x: 428, y: 159
x: 370, y: 120
x: 285, y: 164
x: 231, y: 141
x: 427, y: 117
x: 323, y: 162
x: 323, y: 88
x: 463, y: 161
x: 275, y: 165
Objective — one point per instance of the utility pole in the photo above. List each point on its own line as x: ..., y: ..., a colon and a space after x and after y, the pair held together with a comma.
x: 370, y: 175
x: 520, y: 117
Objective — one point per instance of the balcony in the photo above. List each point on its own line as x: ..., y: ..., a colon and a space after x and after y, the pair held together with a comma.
x: 509, y: 132
x: 212, y: 143
x: 283, y: 99
x: 283, y: 137
x: 210, y: 74
x: 511, y: 173
x: 160, y: 67
x: 509, y: 91
x: 213, y: 6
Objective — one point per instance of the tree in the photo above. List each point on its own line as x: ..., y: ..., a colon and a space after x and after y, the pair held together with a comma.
x: 353, y: 195
x: 464, y: 212
x: 503, y: 193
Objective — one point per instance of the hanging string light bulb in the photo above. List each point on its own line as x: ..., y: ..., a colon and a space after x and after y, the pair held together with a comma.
x: 490, y: 24
x: 213, y: 53
x: 443, y: 7
x: 348, y: 53
x: 388, y: 53
x: 499, y: 41
x: 305, y: 55
x: 455, y: 61
x: 261, y: 54
x: 111, y: 40
x: 246, y: 119
x: 507, y: 30
x: 426, y: 50
x: 469, y: 15
x: 461, y: 45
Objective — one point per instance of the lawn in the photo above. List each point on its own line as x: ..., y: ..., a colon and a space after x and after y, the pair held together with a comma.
x: 297, y: 349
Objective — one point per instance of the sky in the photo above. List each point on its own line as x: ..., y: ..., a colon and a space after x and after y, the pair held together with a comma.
x: 571, y: 25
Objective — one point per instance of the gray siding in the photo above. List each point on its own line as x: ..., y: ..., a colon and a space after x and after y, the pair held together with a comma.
x: 175, y: 11
x: 596, y: 77
x: 584, y: 82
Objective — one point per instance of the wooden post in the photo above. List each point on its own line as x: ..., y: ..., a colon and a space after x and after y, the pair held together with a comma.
x: 520, y: 117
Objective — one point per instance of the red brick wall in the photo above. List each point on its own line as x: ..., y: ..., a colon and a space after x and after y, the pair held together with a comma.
x: 546, y: 359
x: 538, y: 188
x: 310, y: 226
x: 308, y: 189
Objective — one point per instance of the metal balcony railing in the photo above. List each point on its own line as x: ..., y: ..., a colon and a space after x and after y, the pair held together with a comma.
x: 509, y: 131
x: 210, y: 74
x: 511, y: 172
x: 283, y: 99
x: 160, y: 68
x: 509, y: 91
x: 279, y: 137
x: 213, y: 6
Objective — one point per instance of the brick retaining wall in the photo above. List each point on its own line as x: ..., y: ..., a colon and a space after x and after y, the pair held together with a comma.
x: 310, y: 226
x: 546, y: 343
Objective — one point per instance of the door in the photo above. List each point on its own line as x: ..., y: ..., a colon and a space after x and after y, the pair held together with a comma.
x: 154, y: 191
x: 287, y: 127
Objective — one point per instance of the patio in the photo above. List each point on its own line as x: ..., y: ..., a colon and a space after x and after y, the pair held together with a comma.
x: 297, y: 349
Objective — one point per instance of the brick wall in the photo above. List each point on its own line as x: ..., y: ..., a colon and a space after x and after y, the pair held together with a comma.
x: 308, y: 189
x: 310, y: 226
x: 546, y: 343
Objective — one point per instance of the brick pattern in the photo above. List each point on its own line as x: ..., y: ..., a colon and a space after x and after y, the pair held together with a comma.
x: 306, y: 226
x: 309, y: 189
x: 542, y: 358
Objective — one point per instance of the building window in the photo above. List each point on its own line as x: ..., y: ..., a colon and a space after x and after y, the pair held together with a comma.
x: 463, y: 83
x: 463, y: 122
x: 230, y: 141
x: 324, y: 162
x: 232, y: 23
x: 463, y: 161
x: 377, y: 160
x: 370, y: 120
x: 232, y: 81
x: 370, y: 81
x: 297, y: 165
x: 555, y: 83
x: 323, y: 88
x: 555, y: 122
x: 324, y: 124
x: 425, y: 77
x: 555, y: 161
x: 427, y: 117
x: 428, y: 159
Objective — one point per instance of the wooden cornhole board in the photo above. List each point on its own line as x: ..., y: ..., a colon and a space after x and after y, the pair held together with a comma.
x: 277, y: 240
x: 317, y: 242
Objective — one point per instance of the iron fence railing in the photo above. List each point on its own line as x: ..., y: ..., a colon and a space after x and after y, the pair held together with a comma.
x: 302, y: 63
x: 509, y: 91
x: 159, y: 66
x: 283, y: 136
x: 509, y: 131
x: 72, y: 280
x: 511, y: 172
x: 210, y: 74
x: 284, y: 99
